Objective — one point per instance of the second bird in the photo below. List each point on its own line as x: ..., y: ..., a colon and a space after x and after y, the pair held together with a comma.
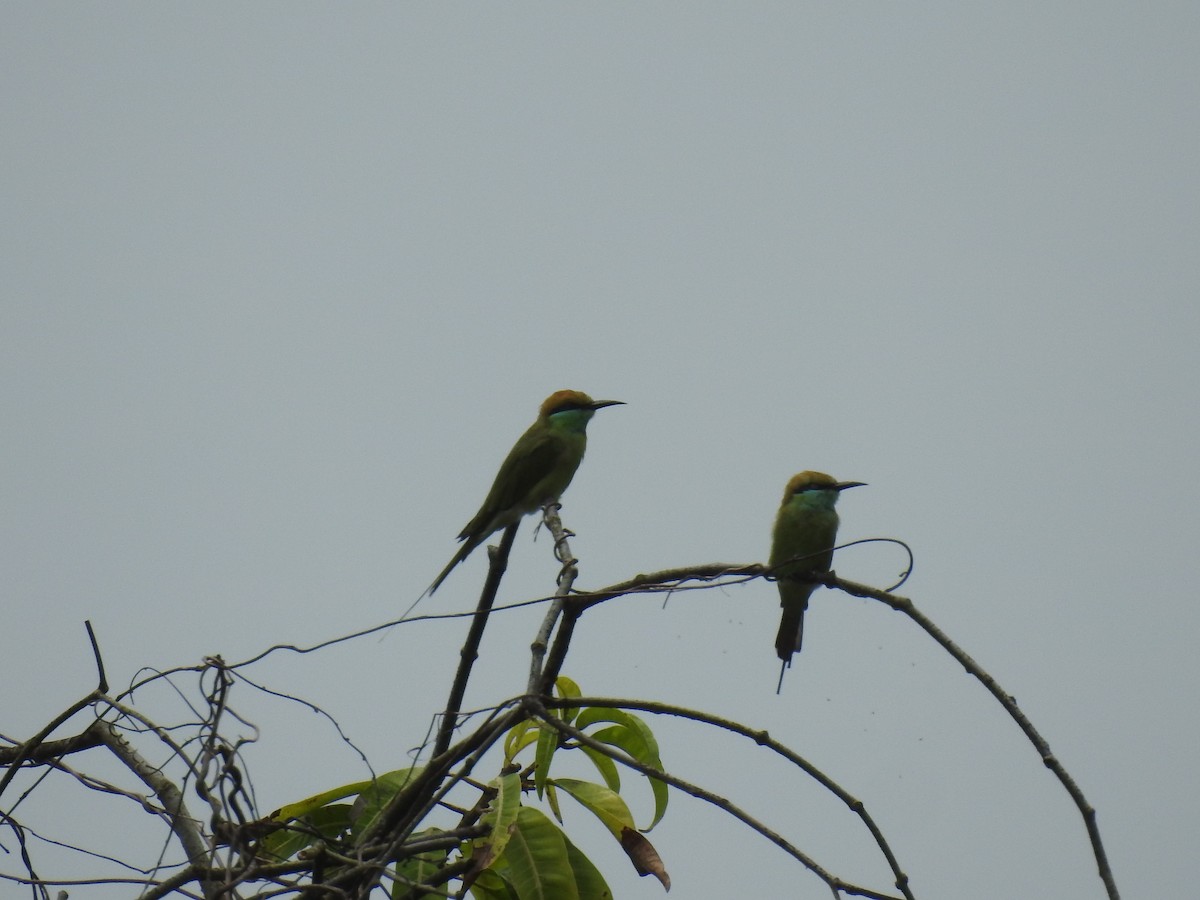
x: 536, y: 471
x: 805, y: 531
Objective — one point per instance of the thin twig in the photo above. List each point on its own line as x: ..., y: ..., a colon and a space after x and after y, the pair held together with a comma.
x: 26, y: 750
x: 538, y: 682
x: 102, y: 686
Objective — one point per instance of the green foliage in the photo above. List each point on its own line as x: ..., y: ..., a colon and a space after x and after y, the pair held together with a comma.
x: 632, y: 735
x: 537, y: 860
x: 320, y: 818
x: 541, y: 863
x: 523, y: 854
x: 606, y: 805
x: 417, y: 870
x: 372, y: 800
x: 323, y: 823
x: 501, y: 814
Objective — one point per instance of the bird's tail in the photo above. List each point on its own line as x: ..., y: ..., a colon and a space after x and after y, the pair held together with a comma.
x: 791, y: 631
x: 463, y: 552
x: 790, y: 636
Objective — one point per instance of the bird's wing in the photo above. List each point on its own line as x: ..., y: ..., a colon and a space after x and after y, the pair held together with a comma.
x: 529, y: 461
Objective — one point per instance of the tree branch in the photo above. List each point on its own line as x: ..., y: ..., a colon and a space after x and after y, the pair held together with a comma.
x: 1086, y: 810
x: 762, y: 738
x: 709, y: 797
x: 183, y: 825
x: 541, y: 678
x: 498, y: 558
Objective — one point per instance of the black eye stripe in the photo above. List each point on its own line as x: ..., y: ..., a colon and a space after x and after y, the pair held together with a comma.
x: 567, y: 407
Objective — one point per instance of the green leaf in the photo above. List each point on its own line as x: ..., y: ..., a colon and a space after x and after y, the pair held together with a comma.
x: 640, y: 744
x: 548, y: 740
x: 631, y: 734
x: 491, y: 885
x: 304, y: 807
x: 501, y: 814
x: 568, y: 690
x: 417, y: 870
x: 537, y: 859
x: 552, y: 800
x: 541, y: 863
x: 372, y: 800
x: 319, y: 814
x: 605, y: 765
x: 604, y: 804
x: 322, y: 823
x: 588, y: 880
x: 518, y: 738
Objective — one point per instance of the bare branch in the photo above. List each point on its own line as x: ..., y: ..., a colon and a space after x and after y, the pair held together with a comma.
x: 162, y: 735
x: 102, y: 685
x: 48, y: 750
x: 24, y: 752
x: 1086, y: 810
x: 541, y: 681
x: 498, y: 558
x: 214, y: 762
x: 183, y: 825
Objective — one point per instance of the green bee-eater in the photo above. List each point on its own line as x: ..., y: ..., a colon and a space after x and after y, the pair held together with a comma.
x: 536, y: 471
x: 805, y: 531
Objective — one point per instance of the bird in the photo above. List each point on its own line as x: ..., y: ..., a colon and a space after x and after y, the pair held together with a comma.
x: 536, y: 471
x: 802, y: 544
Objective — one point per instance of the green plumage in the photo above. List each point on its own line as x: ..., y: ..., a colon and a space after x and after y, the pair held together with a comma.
x: 536, y: 471
x: 805, y: 533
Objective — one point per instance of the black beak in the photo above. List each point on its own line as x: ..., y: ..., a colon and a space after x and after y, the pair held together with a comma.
x: 842, y: 485
x: 600, y: 404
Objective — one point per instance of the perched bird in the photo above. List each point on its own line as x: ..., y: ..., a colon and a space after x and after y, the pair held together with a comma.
x: 536, y: 471
x: 805, y: 531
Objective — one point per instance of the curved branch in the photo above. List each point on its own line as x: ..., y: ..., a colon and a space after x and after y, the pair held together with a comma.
x: 836, y: 884
x: 673, y: 579
x: 1086, y: 810
x: 762, y: 738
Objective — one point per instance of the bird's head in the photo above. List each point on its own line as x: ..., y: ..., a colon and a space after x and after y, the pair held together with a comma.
x: 573, y: 404
x: 822, y: 488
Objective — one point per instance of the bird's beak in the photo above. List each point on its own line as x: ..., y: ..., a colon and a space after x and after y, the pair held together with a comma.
x: 600, y: 404
x: 842, y: 485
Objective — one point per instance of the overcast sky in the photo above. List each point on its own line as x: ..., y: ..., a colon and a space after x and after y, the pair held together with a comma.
x: 283, y: 283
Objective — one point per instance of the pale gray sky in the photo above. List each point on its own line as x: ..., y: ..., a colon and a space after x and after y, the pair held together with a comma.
x: 284, y: 282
